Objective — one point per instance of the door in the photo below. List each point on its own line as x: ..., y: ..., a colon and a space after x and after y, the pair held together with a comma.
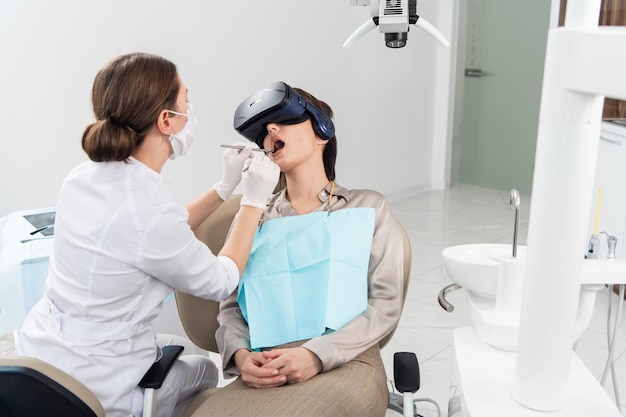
x: 504, y: 50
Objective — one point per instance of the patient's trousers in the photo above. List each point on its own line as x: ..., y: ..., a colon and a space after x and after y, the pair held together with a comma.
x: 358, y: 388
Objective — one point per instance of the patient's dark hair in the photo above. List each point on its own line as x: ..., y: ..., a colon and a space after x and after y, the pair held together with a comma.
x: 330, y: 150
x: 127, y: 96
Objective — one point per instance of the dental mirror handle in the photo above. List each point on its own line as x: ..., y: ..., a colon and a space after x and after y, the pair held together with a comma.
x: 223, y: 145
x: 41, y: 229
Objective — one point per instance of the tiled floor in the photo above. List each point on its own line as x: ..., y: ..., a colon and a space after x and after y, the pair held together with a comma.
x: 460, y: 215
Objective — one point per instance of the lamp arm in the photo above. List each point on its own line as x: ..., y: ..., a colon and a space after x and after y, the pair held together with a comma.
x: 432, y: 31
x: 357, y: 34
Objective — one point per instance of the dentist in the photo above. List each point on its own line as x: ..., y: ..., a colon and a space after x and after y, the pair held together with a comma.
x: 122, y: 244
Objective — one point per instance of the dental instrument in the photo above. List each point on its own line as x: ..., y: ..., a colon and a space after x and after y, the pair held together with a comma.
x: 278, y: 103
x: 594, y: 242
x: 393, y: 19
x: 41, y: 229
x: 240, y: 147
x: 34, y: 239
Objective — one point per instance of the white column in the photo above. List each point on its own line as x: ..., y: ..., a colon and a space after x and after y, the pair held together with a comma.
x: 567, y: 143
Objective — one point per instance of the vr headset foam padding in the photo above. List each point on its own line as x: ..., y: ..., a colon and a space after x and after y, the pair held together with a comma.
x: 278, y: 103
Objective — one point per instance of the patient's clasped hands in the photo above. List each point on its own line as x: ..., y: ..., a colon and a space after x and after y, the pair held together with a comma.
x: 277, y: 367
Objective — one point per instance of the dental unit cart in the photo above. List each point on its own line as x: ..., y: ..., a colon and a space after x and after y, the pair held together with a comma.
x: 26, y: 239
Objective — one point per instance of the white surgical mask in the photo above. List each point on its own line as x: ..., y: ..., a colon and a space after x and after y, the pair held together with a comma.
x: 182, y: 141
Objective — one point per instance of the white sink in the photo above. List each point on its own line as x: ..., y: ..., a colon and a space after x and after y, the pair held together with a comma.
x: 475, y: 266
x: 495, y: 311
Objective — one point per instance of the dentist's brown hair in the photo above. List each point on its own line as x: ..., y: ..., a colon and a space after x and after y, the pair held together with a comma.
x: 127, y: 96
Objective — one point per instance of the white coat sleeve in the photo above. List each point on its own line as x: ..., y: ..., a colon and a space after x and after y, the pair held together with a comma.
x: 171, y: 253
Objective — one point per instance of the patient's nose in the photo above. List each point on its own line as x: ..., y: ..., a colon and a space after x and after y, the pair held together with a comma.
x: 272, y: 128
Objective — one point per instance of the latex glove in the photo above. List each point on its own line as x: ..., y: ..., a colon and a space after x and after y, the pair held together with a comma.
x: 260, y: 176
x: 234, y: 160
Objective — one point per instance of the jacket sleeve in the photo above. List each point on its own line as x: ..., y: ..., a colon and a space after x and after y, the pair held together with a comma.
x: 232, y: 335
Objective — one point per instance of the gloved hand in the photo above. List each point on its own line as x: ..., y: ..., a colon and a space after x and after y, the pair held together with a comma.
x: 260, y: 176
x: 233, y: 165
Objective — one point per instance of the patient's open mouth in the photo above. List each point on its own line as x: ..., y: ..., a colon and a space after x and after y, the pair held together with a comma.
x: 278, y: 145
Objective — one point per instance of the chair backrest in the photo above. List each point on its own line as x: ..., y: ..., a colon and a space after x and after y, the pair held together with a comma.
x: 30, y: 387
x: 199, y: 316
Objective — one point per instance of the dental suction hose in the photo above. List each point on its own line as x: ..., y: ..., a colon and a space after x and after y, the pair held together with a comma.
x: 594, y: 245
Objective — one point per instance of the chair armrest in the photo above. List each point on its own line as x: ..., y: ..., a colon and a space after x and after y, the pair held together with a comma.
x: 406, y: 372
x: 158, y: 371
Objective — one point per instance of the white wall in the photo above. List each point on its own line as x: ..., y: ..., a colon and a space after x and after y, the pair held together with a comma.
x: 385, y: 103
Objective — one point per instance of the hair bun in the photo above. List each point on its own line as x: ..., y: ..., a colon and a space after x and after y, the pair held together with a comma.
x: 114, y: 121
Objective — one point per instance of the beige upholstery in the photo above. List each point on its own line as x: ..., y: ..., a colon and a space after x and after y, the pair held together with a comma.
x: 199, y: 317
x: 58, y: 376
x: 197, y: 401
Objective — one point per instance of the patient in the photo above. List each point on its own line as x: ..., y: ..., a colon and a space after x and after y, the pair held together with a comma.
x: 337, y: 372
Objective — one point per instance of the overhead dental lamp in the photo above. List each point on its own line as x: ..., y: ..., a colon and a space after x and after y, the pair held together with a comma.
x: 393, y: 18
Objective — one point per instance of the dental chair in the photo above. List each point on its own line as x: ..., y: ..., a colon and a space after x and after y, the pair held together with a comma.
x: 199, y: 316
x: 30, y: 387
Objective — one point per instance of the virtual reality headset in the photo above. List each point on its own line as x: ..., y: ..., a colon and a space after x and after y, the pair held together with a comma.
x: 278, y: 103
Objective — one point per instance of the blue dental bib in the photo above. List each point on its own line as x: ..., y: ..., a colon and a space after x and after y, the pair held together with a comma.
x: 306, y: 274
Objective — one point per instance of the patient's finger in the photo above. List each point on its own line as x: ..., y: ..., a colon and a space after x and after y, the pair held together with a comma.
x: 263, y: 382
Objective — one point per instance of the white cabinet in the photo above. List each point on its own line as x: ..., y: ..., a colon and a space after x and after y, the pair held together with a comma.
x: 611, y: 176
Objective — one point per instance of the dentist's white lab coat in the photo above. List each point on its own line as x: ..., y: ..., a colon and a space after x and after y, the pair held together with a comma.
x: 121, y: 245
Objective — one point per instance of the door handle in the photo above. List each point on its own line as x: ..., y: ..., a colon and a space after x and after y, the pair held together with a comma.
x: 476, y: 73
